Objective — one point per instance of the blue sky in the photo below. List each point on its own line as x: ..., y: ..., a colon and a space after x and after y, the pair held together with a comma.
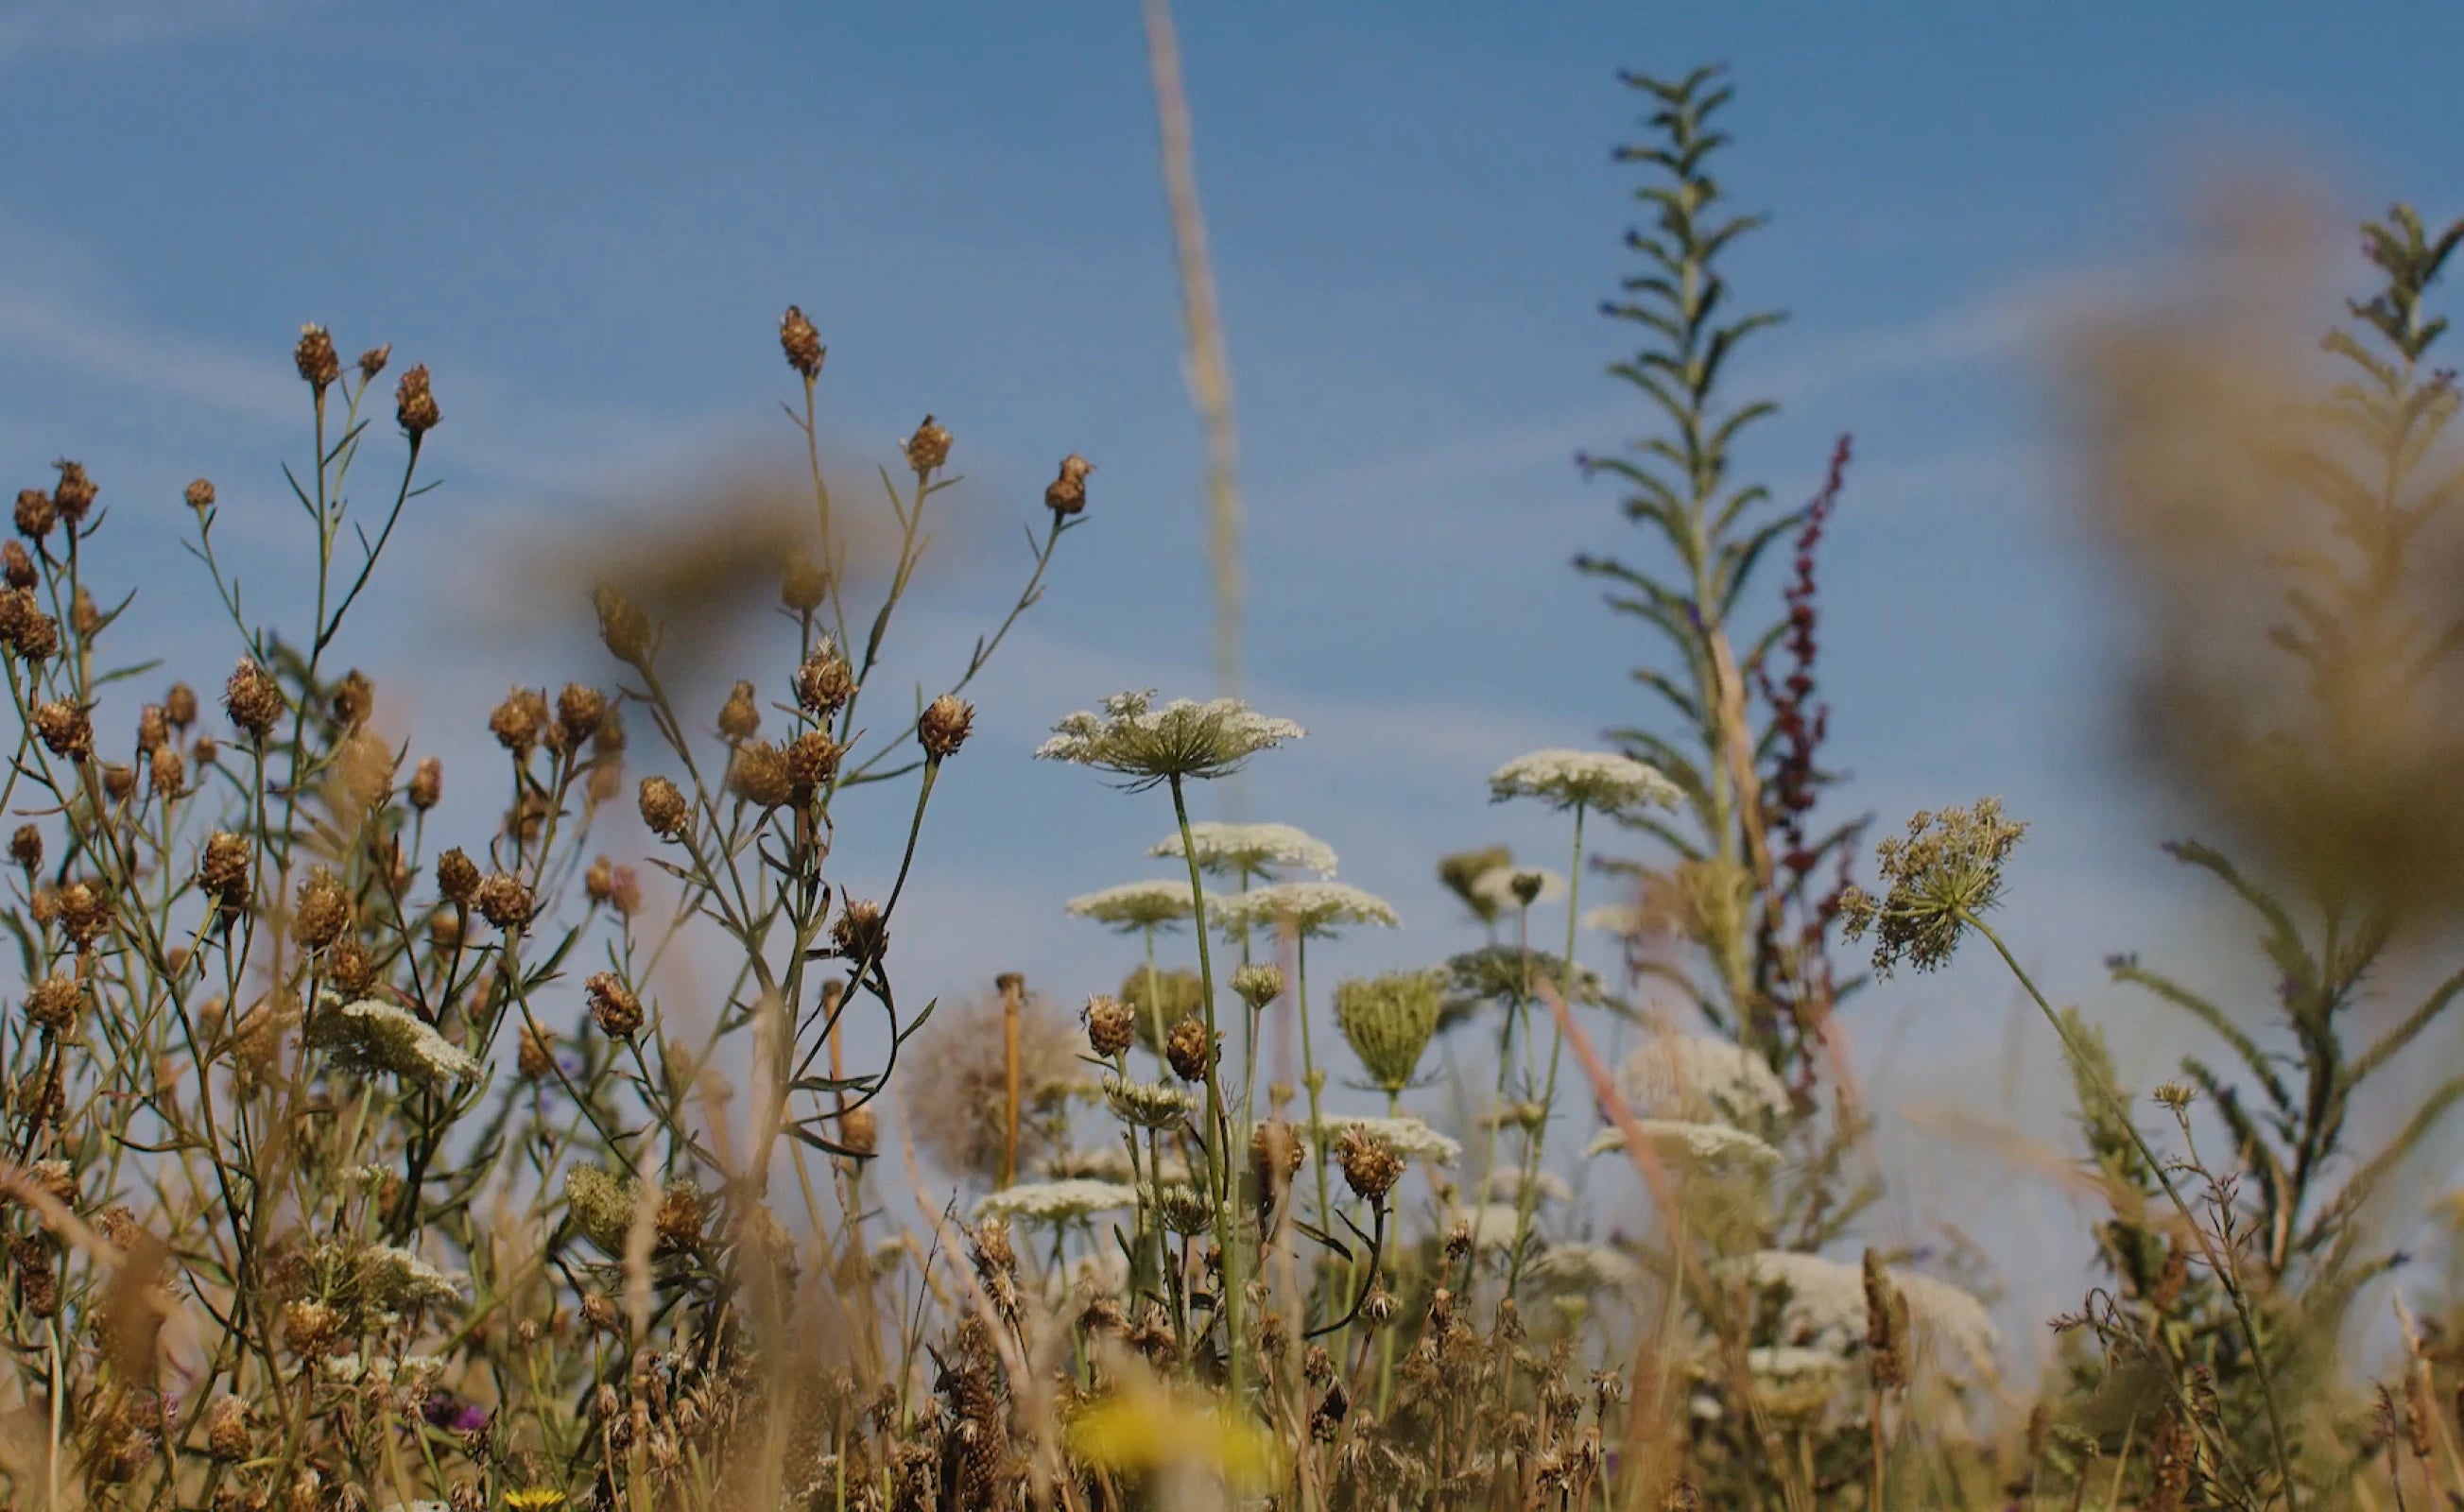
x: 587, y: 226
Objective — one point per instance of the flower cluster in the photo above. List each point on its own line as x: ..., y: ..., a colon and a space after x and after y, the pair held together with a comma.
x: 1183, y: 740
x: 1315, y: 910
x: 1599, y: 780
x: 1253, y: 850
x: 1135, y: 905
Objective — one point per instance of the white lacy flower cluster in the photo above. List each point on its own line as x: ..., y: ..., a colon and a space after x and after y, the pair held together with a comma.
x: 1700, y: 1077
x: 1586, y: 1268
x: 1709, y: 1144
x: 371, y: 1035
x: 1496, y: 886
x: 1134, y: 905
x: 414, y: 1373
x: 1491, y: 1225
x: 1826, y: 1303
x: 1408, y: 1137
x: 1057, y: 1201
x: 1252, y: 849
x: 1184, y: 738
x: 1601, y: 781
x: 1315, y: 909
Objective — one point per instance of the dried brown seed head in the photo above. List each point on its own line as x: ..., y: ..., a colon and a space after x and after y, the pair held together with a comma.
x: 1067, y: 495
x: 318, y: 363
x: 1371, y: 1168
x: 859, y: 1130
x: 944, y: 725
x: 824, y: 682
x: 536, y: 1055
x: 223, y: 870
x: 759, y: 774
x: 928, y: 450
x: 622, y: 627
x: 17, y: 565
x: 579, y: 710
x: 65, y: 729
x: 352, y: 700
x: 153, y: 728
x: 253, y: 698
x: 599, y: 880
x: 457, y: 876
x: 625, y: 891
x: 74, y: 495
x: 812, y: 760
x: 54, y: 1003
x: 323, y: 910
x: 679, y: 1218
x: 803, y: 586
x: 1112, y: 1026
x: 349, y: 970
x: 35, y: 635
x: 35, y: 513
x: 26, y: 848
x: 167, y: 771
x: 519, y: 721
x: 118, y: 782
x: 415, y: 404
x: 372, y: 362
x: 861, y: 932
x: 1190, y: 1049
x: 614, y: 1007
x: 427, y: 783
x: 200, y: 494
x: 180, y: 706
x: 600, y: 1313
x: 505, y: 903
x: 739, y: 718
x: 800, y: 343
x: 663, y: 809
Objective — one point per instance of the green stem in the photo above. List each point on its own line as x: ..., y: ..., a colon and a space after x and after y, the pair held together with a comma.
x: 1226, y: 1173
x: 1527, y: 1195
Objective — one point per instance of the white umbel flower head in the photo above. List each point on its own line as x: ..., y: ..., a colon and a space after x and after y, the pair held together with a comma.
x: 1315, y: 909
x: 1695, y: 1077
x: 1601, y: 781
x: 1408, y: 1137
x: 1182, y: 741
x: 1586, y: 1268
x: 1826, y: 1303
x: 1135, y: 905
x: 1504, y: 1184
x: 1254, y: 850
x: 1503, y: 887
x: 1492, y: 1224
x: 1622, y: 919
x: 1786, y: 1362
x: 1148, y: 1105
x: 1057, y: 1201
x: 371, y: 1035
x: 1709, y: 1144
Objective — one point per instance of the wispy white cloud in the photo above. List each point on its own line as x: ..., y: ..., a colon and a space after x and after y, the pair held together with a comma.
x: 35, y: 26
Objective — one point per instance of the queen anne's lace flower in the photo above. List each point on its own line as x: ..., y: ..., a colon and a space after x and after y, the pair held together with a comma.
x: 1826, y: 1303
x: 1504, y: 1184
x: 1704, y: 1144
x: 1408, y: 1137
x: 1492, y: 1224
x: 1599, y: 780
x: 1497, y: 887
x: 1315, y: 909
x: 1586, y: 1268
x: 1786, y: 1362
x: 1252, y: 849
x: 1148, y: 1105
x: 1623, y: 919
x: 370, y: 1035
x: 1057, y: 1201
x: 1696, y: 1077
x: 1184, y: 739
x: 1498, y: 974
x: 400, y: 1281
x: 1135, y: 905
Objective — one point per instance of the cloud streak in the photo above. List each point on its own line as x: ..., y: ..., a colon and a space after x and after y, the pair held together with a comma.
x: 41, y: 27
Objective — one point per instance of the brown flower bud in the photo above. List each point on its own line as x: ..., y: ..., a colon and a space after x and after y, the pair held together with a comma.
x: 800, y: 343
x: 759, y: 774
x: 1112, y: 1026
x: 205, y: 750
x: 1274, y: 1152
x: 74, y: 495
x: 536, y: 1055
x: 505, y: 903
x: 349, y: 968
x: 679, y: 1218
x: 54, y: 1002
x: 928, y: 450
x: 35, y: 513
x: 1067, y: 495
x: 223, y: 870
x: 118, y: 782
x: 803, y: 586
x: 625, y: 891
x: 739, y: 718
x: 227, y: 1435
x: 943, y: 726
x: 85, y: 614
x: 599, y: 880
x: 518, y: 722
x: 614, y: 1007
x: 859, y: 1130
x: 84, y: 911
x: 253, y: 698
x: 622, y: 627
x: 352, y: 699
x: 579, y: 710
x: 153, y: 728
x: 17, y: 565
x: 600, y: 1313
x: 1190, y: 1049
x: 65, y: 729
x: 427, y: 783
x: 1371, y: 1168
x: 321, y: 911
x: 180, y: 706
x: 826, y: 682
x: 812, y: 760
x: 35, y: 635
x: 310, y: 1328
x: 415, y: 404
x: 318, y: 363
x: 664, y: 808
x: 372, y: 362
x: 200, y: 494
x: 861, y: 932
x: 26, y: 848
x: 167, y: 771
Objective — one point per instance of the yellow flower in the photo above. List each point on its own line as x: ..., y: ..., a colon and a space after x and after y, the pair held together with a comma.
x: 1142, y: 1429
x: 531, y: 1499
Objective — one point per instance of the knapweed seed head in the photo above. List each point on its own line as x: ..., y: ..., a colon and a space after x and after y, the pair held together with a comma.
x: 372, y: 362
x: 1190, y: 1051
x: 663, y: 809
x: 943, y: 726
x: 1112, y: 1026
x: 180, y: 706
x: 861, y: 932
x: 614, y: 1007
x: 757, y: 773
x: 168, y: 771
x: 1133, y: 906
x: 318, y: 363
x: 26, y: 848
x: 415, y: 404
x: 622, y: 627
x: 457, y: 877
x: 1371, y: 1167
x: 253, y: 699
x: 824, y: 682
x: 1258, y: 984
x: 801, y: 343
x: 17, y: 566
x: 34, y: 635
x: 427, y: 783
x: 519, y: 721
x: 1389, y: 1020
x: 353, y: 699
x: 739, y: 718
x: 1182, y: 741
x: 35, y: 513
x: 75, y: 492
x: 928, y: 448
x: 200, y: 494
x: 812, y: 760
x: 860, y: 1132
x: 223, y: 870
x: 1066, y: 495
x: 66, y: 729
x: 1599, y: 780
x: 52, y: 1004
x: 1944, y: 873
x: 505, y: 902
x: 579, y: 710
x: 322, y: 910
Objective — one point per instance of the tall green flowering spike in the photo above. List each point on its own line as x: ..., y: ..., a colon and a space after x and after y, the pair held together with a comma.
x: 1388, y: 1021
